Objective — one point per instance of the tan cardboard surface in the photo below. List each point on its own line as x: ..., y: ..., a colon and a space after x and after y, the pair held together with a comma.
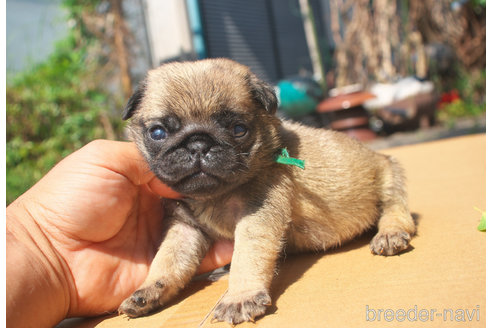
x: 439, y: 282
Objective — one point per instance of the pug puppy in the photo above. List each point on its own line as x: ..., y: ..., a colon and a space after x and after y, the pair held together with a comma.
x: 208, y: 130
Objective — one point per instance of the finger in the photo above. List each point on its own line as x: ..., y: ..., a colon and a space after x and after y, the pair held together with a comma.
x: 124, y: 158
x: 219, y: 255
x: 162, y: 189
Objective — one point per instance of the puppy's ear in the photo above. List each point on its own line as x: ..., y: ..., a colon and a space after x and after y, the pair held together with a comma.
x: 263, y: 93
x: 134, y: 101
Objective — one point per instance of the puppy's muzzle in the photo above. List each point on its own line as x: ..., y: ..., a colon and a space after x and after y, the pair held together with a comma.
x: 199, y: 162
x: 198, y: 155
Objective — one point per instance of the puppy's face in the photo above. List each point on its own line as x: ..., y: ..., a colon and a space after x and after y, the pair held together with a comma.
x: 204, y: 127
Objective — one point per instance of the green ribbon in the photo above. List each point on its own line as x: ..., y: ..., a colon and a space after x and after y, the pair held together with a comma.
x: 284, y: 158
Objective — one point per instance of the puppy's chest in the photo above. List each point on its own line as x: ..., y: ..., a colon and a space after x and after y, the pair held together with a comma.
x: 218, y: 218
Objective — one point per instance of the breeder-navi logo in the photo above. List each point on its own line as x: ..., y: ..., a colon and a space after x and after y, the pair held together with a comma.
x: 422, y: 315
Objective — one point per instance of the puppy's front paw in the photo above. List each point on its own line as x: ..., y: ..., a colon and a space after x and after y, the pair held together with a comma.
x: 143, y: 301
x: 391, y: 243
x: 241, y: 307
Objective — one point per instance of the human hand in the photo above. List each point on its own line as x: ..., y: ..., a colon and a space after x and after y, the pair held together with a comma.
x: 97, y: 221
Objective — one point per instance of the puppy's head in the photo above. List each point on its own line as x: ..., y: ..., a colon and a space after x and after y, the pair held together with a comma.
x: 205, y: 127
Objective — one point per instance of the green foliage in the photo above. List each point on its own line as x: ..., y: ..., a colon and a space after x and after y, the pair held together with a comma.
x: 471, y: 85
x: 471, y: 88
x: 459, y: 109
x: 52, y: 110
x: 478, y: 3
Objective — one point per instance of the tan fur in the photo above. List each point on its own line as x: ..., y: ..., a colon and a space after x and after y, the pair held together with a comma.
x: 344, y: 190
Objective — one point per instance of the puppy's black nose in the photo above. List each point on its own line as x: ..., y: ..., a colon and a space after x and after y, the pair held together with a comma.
x: 199, y: 144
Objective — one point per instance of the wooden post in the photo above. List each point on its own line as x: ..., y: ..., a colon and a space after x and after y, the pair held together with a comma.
x: 120, y: 48
x: 312, y: 42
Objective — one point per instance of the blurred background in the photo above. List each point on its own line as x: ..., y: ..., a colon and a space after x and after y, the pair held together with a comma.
x: 382, y: 71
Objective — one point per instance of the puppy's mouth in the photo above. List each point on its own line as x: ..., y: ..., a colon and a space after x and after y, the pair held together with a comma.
x: 198, y: 182
x: 200, y: 175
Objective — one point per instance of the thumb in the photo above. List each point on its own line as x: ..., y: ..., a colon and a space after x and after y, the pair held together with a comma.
x: 162, y: 189
x: 124, y: 158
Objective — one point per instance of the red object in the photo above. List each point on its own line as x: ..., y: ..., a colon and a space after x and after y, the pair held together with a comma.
x: 361, y: 134
x: 344, y: 101
x: 345, y: 113
x: 449, y: 97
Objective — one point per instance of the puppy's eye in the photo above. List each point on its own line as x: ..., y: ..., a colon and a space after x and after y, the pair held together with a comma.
x: 239, y: 131
x: 157, y: 133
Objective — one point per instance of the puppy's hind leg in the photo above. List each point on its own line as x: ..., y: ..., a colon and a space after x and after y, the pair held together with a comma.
x: 396, y: 225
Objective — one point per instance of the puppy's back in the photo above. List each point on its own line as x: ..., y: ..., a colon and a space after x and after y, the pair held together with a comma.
x: 338, y: 193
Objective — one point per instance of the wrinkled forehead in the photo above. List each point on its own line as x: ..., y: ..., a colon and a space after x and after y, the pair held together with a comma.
x: 196, y: 90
